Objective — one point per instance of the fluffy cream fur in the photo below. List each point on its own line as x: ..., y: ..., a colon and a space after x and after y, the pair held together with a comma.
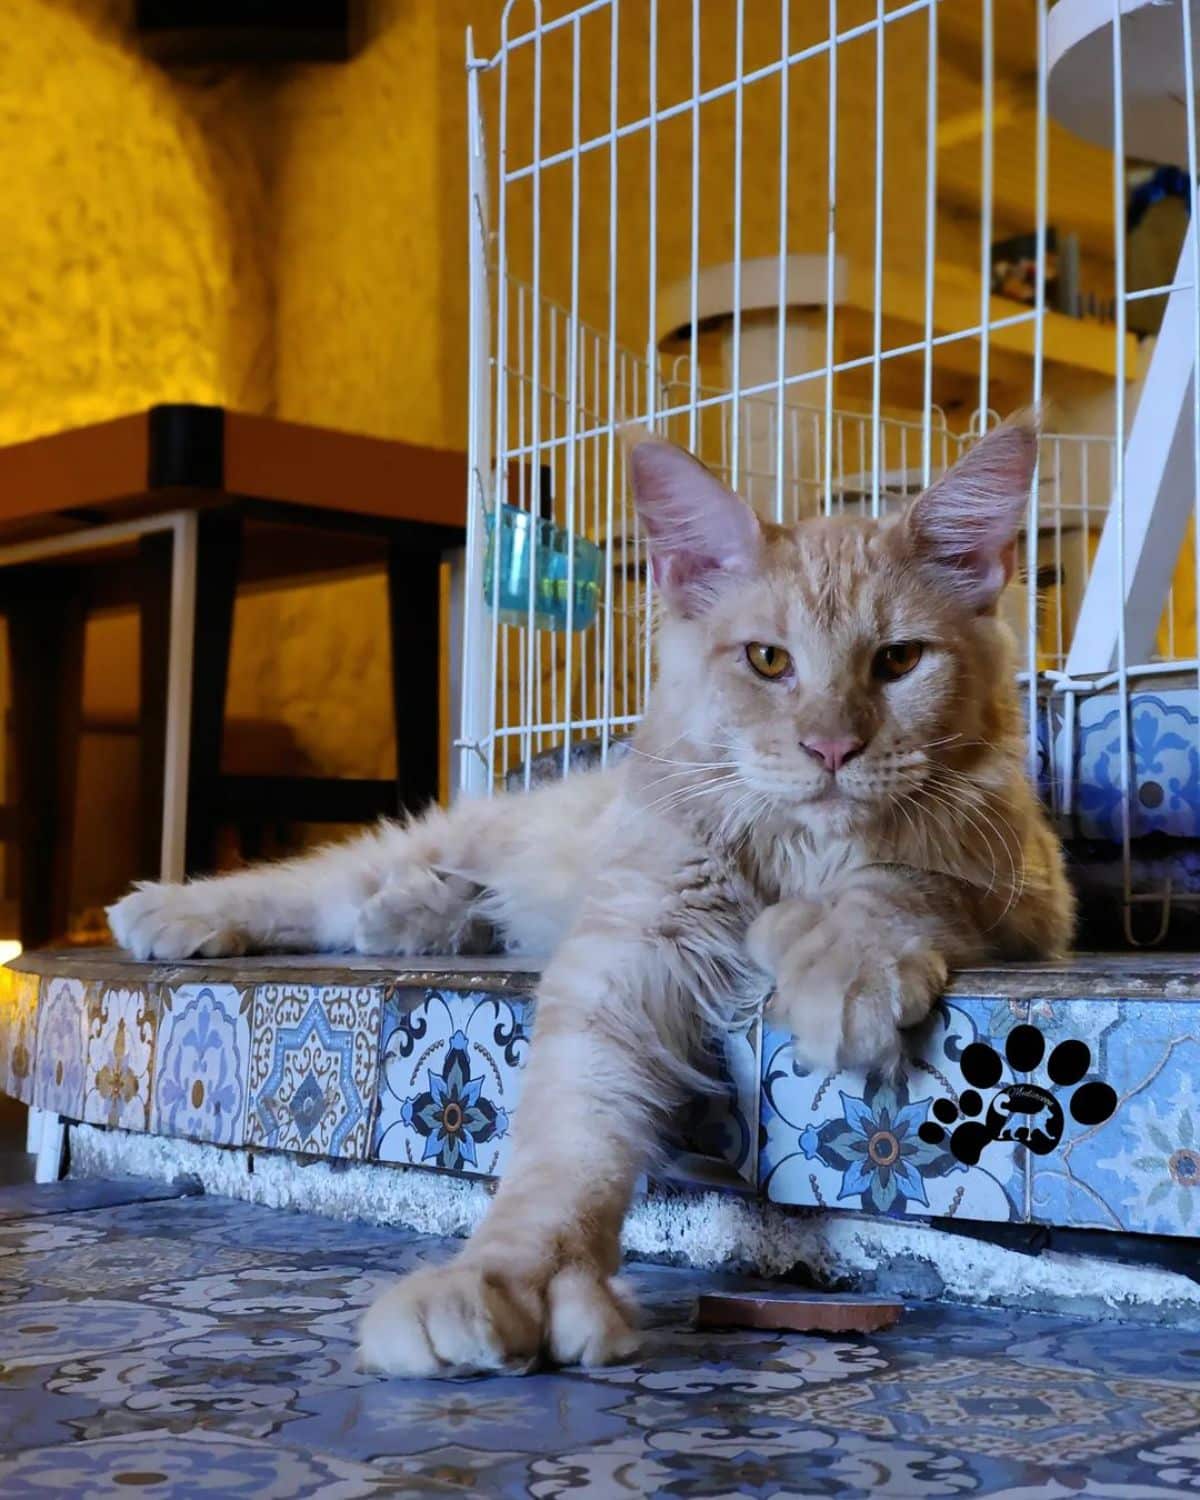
x: 721, y: 860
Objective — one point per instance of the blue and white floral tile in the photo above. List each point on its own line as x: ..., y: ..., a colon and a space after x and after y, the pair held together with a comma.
x: 313, y: 1076
x: 1164, y: 764
x: 59, y: 1074
x: 183, y: 1464
x: 18, y: 1032
x: 450, y: 1078
x: 722, y: 1124
x: 1133, y: 1161
x: 202, y: 1063
x: 135, y: 1373
x: 913, y: 1146
x: 122, y: 1024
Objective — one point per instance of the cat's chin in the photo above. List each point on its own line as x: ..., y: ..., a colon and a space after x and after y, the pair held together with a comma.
x: 830, y: 811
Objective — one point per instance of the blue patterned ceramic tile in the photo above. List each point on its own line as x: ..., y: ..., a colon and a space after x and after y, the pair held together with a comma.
x: 218, y: 1221
x: 18, y: 1032
x: 722, y: 1125
x: 1132, y: 1161
x: 31, y: 1417
x: 79, y: 1326
x: 240, y: 1380
x: 194, y: 1463
x: 1164, y: 764
x: 80, y: 1195
x: 450, y: 1079
x: 59, y: 1073
x: 131, y: 1261
x: 202, y: 1063
x: 912, y: 1146
x: 1001, y: 1407
x: 119, y: 1070
x: 406, y: 1427
x: 313, y: 1068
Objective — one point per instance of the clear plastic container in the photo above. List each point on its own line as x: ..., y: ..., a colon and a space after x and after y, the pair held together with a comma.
x: 547, y: 550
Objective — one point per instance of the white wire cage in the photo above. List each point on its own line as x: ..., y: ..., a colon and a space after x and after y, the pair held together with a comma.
x: 783, y: 234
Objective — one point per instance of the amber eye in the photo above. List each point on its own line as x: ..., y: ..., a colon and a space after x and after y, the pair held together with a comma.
x: 768, y: 661
x: 897, y: 660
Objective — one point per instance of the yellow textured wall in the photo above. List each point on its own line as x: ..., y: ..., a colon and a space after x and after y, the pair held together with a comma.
x: 131, y: 268
x: 368, y: 194
x: 370, y: 204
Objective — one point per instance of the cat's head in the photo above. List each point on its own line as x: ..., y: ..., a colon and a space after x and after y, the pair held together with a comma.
x: 841, y: 664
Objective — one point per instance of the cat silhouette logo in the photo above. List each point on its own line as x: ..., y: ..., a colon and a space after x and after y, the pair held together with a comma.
x: 1021, y: 1111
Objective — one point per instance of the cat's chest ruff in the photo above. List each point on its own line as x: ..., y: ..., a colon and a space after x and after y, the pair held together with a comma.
x: 801, y: 864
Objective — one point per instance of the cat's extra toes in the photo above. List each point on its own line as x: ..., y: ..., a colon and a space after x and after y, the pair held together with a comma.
x: 777, y: 928
x: 847, y: 1002
x: 415, y: 911
x: 170, y: 922
x: 471, y: 1318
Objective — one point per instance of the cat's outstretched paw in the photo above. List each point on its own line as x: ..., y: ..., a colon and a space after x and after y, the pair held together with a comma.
x: 471, y: 1317
x: 844, y: 993
x: 173, y: 921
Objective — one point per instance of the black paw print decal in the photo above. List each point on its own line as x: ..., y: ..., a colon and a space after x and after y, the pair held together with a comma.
x: 1020, y: 1111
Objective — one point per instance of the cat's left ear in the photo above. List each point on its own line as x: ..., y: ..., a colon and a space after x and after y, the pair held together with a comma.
x: 700, y: 532
x: 968, y: 522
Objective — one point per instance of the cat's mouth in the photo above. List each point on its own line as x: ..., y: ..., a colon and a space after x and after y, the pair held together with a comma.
x: 829, y: 791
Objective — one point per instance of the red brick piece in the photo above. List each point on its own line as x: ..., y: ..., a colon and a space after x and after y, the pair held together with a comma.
x: 797, y: 1312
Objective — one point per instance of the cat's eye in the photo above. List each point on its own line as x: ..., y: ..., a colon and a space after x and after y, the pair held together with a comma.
x: 896, y: 660
x: 771, y: 662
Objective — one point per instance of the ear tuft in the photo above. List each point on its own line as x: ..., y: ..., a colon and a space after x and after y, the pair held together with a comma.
x: 967, y: 523
x: 700, y: 532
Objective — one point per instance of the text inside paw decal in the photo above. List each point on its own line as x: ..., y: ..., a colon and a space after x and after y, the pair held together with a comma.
x: 1020, y: 1111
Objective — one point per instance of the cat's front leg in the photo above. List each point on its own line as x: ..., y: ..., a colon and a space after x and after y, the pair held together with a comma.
x: 855, y: 967
x: 536, y: 1280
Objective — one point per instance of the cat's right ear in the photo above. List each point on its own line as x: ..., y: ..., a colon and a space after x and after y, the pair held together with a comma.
x: 700, y: 532
x: 967, y: 523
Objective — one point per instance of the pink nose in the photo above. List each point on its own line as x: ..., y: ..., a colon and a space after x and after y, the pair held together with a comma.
x: 833, y: 754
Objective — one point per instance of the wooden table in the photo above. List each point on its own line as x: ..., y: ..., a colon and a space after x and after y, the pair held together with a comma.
x: 169, y: 509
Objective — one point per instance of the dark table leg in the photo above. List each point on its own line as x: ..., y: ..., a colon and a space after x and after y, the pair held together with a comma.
x: 218, y: 557
x: 45, y: 634
x: 414, y: 605
x: 155, y: 553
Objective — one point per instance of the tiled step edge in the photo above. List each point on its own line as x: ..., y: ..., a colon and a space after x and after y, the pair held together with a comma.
x: 420, y: 1064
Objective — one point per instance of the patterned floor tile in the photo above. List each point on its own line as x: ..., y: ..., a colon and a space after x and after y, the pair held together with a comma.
x: 313, y: 1068
x: 70, y: 1329
x: 75, y: 1195
x: 298, y: 1236
x: 450, y: 1079
x: 226, y: 1365
x: 32, y: 1417
x: 160, y: 1462
x: 1005, y: 1408
x: 392, y: 1423
x: 132, y: 1261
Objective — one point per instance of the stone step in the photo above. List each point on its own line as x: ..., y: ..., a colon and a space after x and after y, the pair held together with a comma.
x: 1056, y: 1094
